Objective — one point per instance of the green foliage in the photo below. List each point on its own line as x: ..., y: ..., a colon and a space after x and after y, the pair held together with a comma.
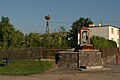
x: 112, y: 44
x: 32, y: 40
x: 47, y: 41
x: 25, y: 67
x: 53, y: 40
x: 12, y: 38
x: 75, y: 26
x: 100, y: 42
x: 8, y: 34
x: 18, y: 40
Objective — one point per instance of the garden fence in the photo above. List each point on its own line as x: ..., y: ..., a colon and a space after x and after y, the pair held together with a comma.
x: 41, y: 53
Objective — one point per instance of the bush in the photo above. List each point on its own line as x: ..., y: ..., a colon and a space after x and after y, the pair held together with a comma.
x: 101, y: 42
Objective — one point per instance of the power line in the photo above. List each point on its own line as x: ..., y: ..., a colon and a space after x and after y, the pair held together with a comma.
x: 70, y: 22
x: 61, y: 22
x: 117, y: 22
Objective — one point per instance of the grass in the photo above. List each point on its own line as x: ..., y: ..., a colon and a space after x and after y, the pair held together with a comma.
x: 25, y: 67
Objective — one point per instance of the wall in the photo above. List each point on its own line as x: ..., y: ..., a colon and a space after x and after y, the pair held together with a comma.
x: 90, y: 58
x: 105, y: 31
x: 99, y: 31
x: 68, y: 59
x: 114, y: 35
x: 108, y: 54
x: 82, y: 58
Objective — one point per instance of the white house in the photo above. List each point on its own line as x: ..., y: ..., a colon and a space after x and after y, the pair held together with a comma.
x: 106, y: 31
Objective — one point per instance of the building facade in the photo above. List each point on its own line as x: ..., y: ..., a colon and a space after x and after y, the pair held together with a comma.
x: 106, y: 31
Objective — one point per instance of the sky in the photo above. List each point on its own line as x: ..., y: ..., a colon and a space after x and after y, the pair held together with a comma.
x: 28, y: 15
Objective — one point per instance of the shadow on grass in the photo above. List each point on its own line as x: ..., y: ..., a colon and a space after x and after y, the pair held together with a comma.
x: 2, y: 65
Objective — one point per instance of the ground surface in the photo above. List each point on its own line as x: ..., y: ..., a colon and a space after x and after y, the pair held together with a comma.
x: 70, y: 74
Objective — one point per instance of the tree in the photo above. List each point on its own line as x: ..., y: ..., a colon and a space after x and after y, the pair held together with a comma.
x: 32, y: 40
x: 74, y: 31
x: 9, y: 36
x: 63, y: 35
x: 7, y: 32
x: 19, y: 39
x: 50, y: 40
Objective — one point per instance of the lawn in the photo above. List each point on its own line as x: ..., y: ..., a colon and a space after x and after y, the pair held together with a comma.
x: 25, y: 67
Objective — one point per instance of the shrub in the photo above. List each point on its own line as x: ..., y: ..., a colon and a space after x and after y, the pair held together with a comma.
x: 101, y: 42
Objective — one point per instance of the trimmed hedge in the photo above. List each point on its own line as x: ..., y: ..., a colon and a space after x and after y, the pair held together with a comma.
x: 101, y: 42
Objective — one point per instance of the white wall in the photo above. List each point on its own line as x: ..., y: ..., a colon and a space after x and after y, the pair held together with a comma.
x: 114, y: 35
x: 100, y: 31
x: 105, y: 31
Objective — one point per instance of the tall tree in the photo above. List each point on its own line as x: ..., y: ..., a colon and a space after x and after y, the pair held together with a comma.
x: 74, y: 31
x: 9, y: 36
x: 7, y: 32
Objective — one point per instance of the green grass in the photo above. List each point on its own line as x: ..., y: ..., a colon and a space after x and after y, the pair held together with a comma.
x: 25, y: 67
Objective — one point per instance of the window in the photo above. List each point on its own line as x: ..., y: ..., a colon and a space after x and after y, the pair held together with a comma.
x: 112, y: 30
x: 117, y: 32
x: 118, y: 41
x: 112, y: 39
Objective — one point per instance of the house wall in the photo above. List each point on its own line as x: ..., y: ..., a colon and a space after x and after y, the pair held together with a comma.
x: 115, y: 35
x: 100, y: 31
x: 106, y: 32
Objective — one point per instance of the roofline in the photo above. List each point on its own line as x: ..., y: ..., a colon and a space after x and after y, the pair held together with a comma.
x: 104, y: 26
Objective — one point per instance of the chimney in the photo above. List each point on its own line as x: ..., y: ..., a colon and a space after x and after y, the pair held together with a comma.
x: 100, y: 24
x: 91, y: 25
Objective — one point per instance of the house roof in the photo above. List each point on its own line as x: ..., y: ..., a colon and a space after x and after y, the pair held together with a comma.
x: 83, y: 28
x: 103, y: 26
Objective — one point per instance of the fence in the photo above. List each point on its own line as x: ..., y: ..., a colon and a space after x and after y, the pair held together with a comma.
x: 41, y: 53
x: 108, y: 54
x: 29, y: 53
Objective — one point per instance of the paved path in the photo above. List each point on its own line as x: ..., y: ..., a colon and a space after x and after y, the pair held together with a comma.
x: 71, y: 74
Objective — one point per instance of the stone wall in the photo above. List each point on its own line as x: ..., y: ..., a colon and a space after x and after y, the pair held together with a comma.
x: 85, y: 58
x: 90, y: 58
x: 68, y: 59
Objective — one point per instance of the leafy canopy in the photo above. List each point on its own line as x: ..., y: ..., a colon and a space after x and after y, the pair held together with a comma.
x: 9, y: 36
x: 75, y: 26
